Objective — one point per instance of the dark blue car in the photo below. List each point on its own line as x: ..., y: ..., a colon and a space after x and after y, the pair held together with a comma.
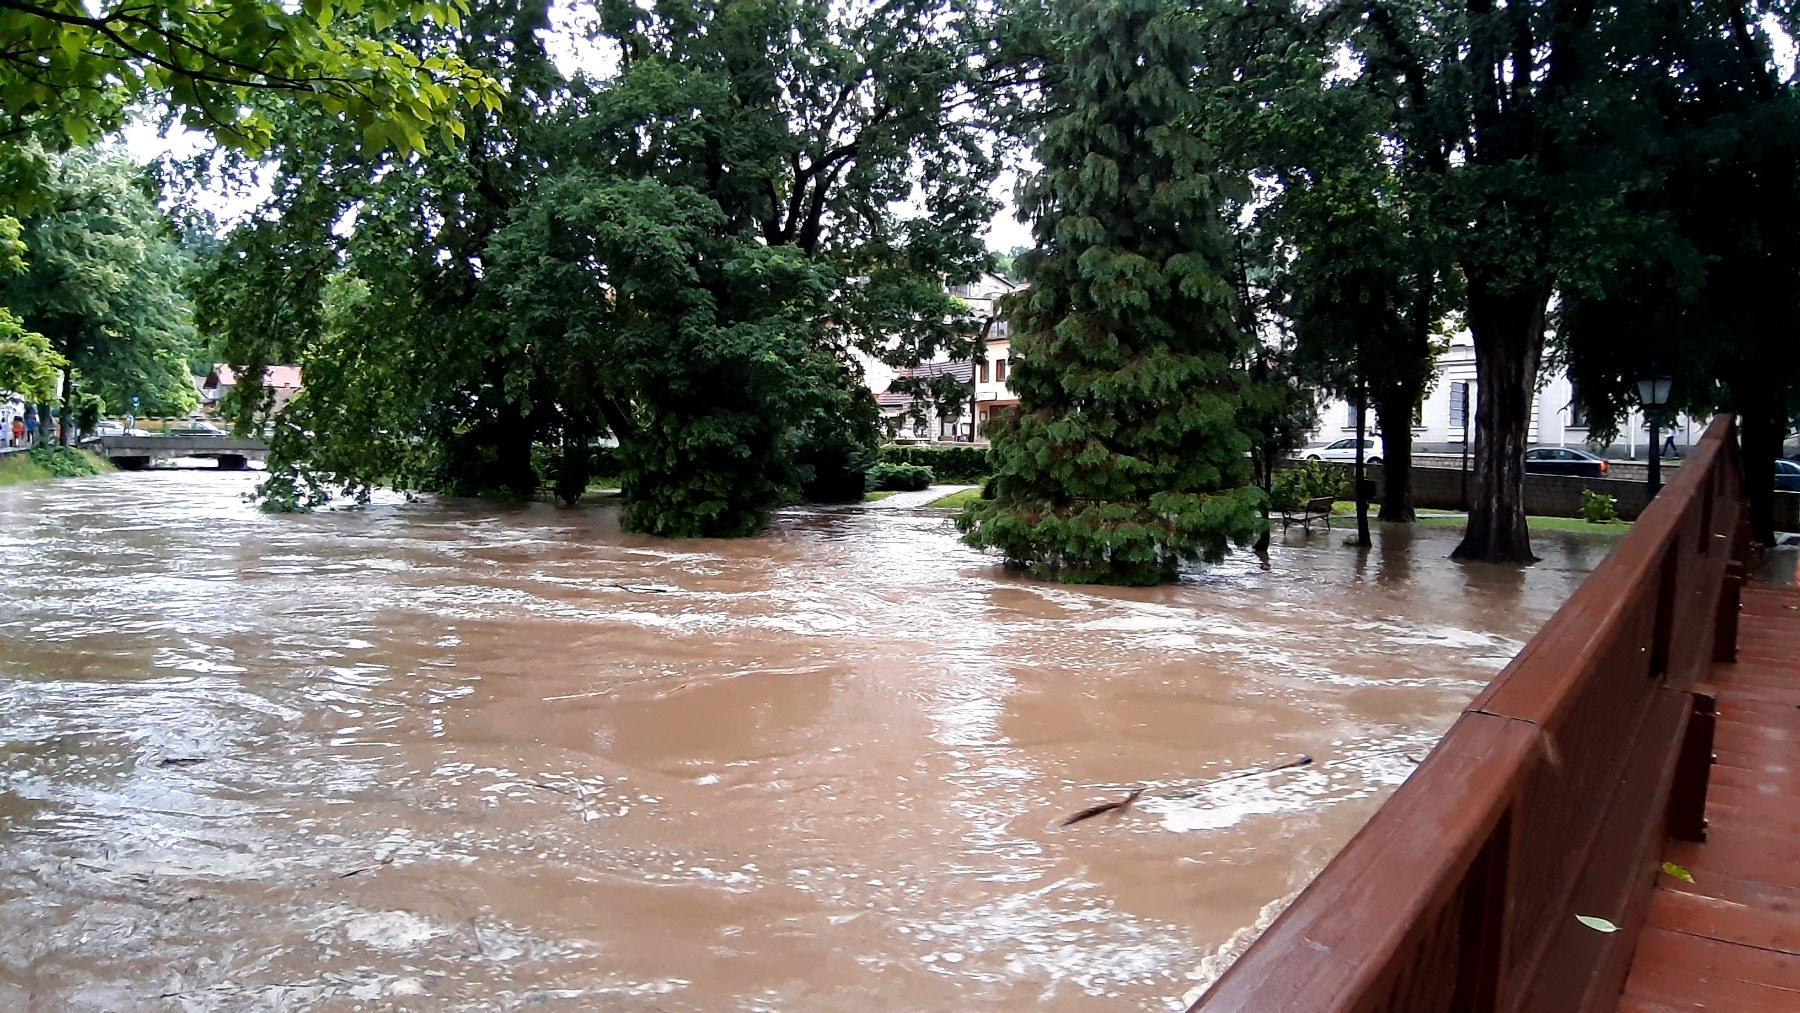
x: 1787, y: 476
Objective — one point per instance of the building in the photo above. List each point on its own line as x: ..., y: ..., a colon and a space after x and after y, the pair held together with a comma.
x: 1558, y: 418
x: 283, y: 380
x: 909, y: 418
x: 993, y: 396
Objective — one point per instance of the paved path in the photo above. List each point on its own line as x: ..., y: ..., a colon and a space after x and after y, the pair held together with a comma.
x: 1730, y: 940
x: 924, y: 497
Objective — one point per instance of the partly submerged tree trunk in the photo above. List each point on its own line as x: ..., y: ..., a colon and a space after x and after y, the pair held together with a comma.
x: 1361, y: 472
x: 1265, y: 480
x: 1394, y: 417
x: 1509, y: 337
x: 1764, y: 428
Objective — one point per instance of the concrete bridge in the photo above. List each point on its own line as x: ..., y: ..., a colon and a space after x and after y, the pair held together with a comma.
x: 133, y: 453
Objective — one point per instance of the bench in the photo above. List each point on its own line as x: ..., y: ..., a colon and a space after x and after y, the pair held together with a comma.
x: 1317, y: 508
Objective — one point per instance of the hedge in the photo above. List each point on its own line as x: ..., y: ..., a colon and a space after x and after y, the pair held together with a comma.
x: 899, y: 477
x: 949, y: 464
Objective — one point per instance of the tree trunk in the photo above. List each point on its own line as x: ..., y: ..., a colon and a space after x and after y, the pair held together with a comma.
x: 63, y: 417
x: 1361, y: 473
x: 1265, y: 480
x: 1394, y: 417
x: 517, y: 475
x: 1509, y: 337
x: 1763, y: 431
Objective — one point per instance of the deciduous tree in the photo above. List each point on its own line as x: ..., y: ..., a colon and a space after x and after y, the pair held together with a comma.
x: 103, y: 281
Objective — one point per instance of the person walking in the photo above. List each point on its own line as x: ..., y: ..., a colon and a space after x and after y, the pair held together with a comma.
x: 30, y: 427
x: 18, y: 431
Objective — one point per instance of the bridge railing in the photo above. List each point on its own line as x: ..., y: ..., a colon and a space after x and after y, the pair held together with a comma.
x: 1550, y: 796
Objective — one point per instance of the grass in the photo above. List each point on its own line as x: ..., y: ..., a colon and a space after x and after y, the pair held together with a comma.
x: 1445, y: 519
x: 956, y: 500
x: 1569, y: 525
x: 883, y: 494
x: 46, y: 463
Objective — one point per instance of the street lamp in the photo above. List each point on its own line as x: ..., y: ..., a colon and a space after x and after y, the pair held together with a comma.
x: 1653, y: 395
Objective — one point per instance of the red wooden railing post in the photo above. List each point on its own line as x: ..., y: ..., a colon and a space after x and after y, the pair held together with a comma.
x: 1693, y: 772
x: 1731, y: 594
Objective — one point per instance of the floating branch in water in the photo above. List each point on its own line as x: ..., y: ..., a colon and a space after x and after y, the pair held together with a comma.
x: 1105, y: 807
x: 1124, y: 804
x: 1299, y: 761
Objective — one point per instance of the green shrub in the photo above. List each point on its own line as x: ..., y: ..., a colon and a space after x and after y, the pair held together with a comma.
x: 949, y: 464
x: 899, y: 477
x: 88, y: 409
x: 1599, y: 508
x: 66, y: 462
x: 1292, y: 487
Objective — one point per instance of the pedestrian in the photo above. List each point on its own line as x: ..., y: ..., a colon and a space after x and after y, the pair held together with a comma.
x: 15, y: 431
x: 30, y: 427
x: 1669, y: 449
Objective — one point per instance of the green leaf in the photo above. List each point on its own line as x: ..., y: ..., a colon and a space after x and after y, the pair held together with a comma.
x: 1597, y: 924
x: 1677, y: 872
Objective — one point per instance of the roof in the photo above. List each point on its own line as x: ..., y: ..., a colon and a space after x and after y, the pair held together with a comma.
x: 274, y: 376
x: 964, y: 371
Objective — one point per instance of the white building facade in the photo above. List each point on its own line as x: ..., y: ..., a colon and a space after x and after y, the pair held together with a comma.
x: 1558, y: 418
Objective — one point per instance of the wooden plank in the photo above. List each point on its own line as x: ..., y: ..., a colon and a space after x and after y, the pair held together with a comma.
x: 1780, y: 792
x: 1731, y: 939
x: 1694, y: 972
x: 1770, y: 926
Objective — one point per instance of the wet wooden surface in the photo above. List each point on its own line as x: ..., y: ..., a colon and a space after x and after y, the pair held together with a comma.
x: 1730, y: 940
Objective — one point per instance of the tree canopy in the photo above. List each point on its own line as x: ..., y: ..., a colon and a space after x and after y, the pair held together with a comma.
x: 1709, y: 291
x: 102, y: 278
x: 69, y: 70
x: 794, y: 181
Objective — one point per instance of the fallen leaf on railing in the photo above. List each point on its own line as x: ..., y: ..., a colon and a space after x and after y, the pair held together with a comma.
x: 1677, y: 872
x: 1597, y: 924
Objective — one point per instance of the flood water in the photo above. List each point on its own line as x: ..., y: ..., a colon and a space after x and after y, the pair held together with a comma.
x: 460, y: 756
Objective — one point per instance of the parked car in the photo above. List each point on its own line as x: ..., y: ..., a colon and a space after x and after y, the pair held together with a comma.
x: 1342, y: 450
x: 1787, y: 476
x: 194, y: 427
x: 107, y: 427
x: 1564, y: 461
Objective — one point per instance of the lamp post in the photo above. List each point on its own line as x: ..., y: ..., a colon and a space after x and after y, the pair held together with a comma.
x: 1653, y: 395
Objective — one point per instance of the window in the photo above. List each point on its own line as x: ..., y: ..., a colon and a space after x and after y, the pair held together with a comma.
x: 1459, y: 404
x: 1578, y: 413
x: 984, y: 372
x: 1349, y: 418
x: 999, y: 370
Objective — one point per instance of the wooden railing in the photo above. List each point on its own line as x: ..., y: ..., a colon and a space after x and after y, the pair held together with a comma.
x: 1550, y: 797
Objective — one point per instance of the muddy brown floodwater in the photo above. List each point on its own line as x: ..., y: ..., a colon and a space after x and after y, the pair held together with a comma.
x: 460, y: 756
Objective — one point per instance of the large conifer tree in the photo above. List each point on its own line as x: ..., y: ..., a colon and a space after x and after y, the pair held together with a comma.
x: 1125, y: 457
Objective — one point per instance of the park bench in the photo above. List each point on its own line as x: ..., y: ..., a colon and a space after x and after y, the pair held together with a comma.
x: 1317, y: 508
